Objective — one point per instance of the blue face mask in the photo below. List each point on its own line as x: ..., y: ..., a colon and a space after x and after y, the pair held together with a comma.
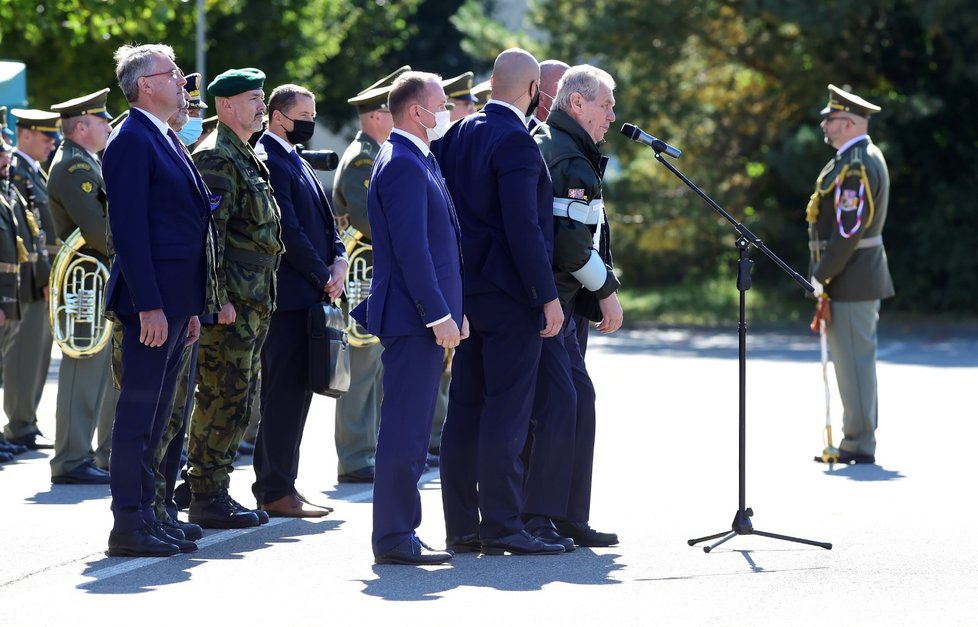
x: 191, y: 131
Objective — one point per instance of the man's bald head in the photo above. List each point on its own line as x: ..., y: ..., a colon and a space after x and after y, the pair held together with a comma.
x: 515, y: 69
x: 551, y: 72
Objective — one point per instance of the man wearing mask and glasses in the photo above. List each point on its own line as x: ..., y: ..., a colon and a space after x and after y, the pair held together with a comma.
x: 313, y: 269
x: 551, y: 71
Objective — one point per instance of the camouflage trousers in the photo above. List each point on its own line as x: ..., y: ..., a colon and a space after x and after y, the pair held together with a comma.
x: 227, y: 389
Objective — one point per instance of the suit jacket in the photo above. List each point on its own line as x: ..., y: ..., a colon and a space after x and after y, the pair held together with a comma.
x: 312, y: 242
x: 417, y: 275
x: 504, y: 197
x: 159, y: 216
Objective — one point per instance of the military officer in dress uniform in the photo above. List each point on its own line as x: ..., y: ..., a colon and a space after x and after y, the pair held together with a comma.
x: 846, y: 216
x: 86, y: 395
x: 11, y: 256
x: 459, y: 92
x: 249, y: 247
x: 358, y: 410
x: 30, y: 347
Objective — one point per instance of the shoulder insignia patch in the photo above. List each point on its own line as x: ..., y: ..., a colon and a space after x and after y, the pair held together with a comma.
x: 576, y: 193
x: 216, y: 200
x: 87, y: 187
x: 363, y: 162
x: 849, y: 201
x: 79, y: 166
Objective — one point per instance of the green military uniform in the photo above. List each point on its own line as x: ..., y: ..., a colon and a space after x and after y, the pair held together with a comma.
x: 358, y: 410
x: 86, y: 397
x: 846, y: 215
x: 30, y: 347
x: 249, y: 247
x: 11, y: 256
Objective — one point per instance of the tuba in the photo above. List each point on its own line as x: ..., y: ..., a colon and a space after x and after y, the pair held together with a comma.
x: 357, y: 284
x: 76, y: 292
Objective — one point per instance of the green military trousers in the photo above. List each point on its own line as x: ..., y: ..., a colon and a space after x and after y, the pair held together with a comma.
x: 27, y: 355
x: 86, y: 401
x: 358, y: 411
x: 852, y: 342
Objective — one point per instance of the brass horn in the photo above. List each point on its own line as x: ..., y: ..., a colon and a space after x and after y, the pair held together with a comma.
x: 357, y: 283
x: 76, y: 292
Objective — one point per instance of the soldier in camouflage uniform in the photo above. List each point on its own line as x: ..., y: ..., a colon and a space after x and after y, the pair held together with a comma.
x: 846, y: 215
x: 358, y: 410
x: 29, y: 347
x: 249, y: 243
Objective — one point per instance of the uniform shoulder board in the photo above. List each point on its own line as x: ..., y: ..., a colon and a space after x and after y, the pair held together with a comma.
x: 363, y: 162
x: 368, y: 149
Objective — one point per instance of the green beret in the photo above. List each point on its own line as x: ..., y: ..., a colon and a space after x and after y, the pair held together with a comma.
x: 234, y: 82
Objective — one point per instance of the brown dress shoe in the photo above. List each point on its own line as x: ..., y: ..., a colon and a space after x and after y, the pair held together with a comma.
x: 328, y: 510
x: 291, y: 507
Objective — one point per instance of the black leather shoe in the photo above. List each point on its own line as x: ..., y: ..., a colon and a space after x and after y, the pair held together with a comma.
x: 176, y: 528
x: 521, y: 543
x: 11, y: 448
x: 845, y: 457
x: 216, y: 511
x: 185, y: 546
x: 139, y: 543
x: 543, y: 529
x: 262, y: 515
x: 363, y: 475
x: 469, y: 543
x: 182, y: 495
x: 6, y: 457
x: 86, y: 474
x: 582, y: 534
x: 33, y: 441
x: 432, y: 461
x: 413, y: 552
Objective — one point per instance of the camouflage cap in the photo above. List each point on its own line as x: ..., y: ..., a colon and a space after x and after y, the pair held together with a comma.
x: 842, y: 100
x: 375, y: 96
x: 193, y: 88
x: 36, y: 120
x: 92, y: 104
x: 460, y: 87
x: 233, y: 82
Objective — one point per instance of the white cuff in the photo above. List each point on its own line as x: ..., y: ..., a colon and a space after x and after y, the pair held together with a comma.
x: 438, y: 321
x: 592, y: 274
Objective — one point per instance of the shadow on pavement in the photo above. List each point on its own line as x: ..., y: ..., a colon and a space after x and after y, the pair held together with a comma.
x: 508, y: 573
x: 863, y: 472
x: 69, y: 494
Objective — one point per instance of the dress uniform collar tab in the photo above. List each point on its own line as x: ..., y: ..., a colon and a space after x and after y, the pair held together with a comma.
x: 849, y: 144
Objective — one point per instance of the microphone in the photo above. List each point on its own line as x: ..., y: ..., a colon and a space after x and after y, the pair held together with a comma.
x: 636, y: 134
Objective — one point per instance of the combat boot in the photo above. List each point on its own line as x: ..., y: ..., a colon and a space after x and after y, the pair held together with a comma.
x: 216, y: 510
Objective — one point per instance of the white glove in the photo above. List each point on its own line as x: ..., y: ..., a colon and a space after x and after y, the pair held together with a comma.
x: 819, y: 288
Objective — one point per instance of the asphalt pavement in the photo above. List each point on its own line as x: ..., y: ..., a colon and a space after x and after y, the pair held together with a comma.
x: 903, y: 531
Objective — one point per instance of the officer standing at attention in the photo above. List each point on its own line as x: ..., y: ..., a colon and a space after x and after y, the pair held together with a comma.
x: 846, y: 215
x: 459, y: 92
x: 86, y: 396
x: 30, y: 349
x: 249, y: 246
x: 358, y: 410
x: 9, y: 274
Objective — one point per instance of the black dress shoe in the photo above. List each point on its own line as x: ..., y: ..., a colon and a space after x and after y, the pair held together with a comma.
x: 469, y: 543
x: 174, y: 527
x: 86, y: 474
x: 139, y: 543
x: 185, y: 546
x: 521, y: 543
x: 582, y: 534
x: 432, y: 461
x: 413, y: 552
x: 543, y: 529
x: 216, y: 511
x: 6, y: 457
x: 845, y: 457
x: 362, y: 475
x: 33, y: 441
x: 262, y: 515
x: 182, y: 495
x: 11, y: 448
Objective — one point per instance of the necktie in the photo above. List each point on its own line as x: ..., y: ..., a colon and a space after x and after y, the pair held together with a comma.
x: 178, y: 146
x: 305, y: 171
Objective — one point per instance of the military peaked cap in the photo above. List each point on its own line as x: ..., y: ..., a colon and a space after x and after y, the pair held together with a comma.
x: 44, y: 121
x: 842, y: 100
x: 193, y: 88
x: 460, y: 87
x: 92, y: 104
x: 375, y: 96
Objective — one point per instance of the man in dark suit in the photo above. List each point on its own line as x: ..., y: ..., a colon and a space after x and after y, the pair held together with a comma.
x: 502, y: 189
x: 313, y: 268
x: 159, y: 218
x: 414, y: 306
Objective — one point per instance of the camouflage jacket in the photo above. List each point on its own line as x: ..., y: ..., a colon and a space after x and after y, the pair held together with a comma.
x: 351, y: 182
x: 246, y: 217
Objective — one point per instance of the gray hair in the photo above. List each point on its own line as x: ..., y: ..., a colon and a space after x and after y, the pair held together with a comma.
x: 583, y: 79
x: 134, y: 62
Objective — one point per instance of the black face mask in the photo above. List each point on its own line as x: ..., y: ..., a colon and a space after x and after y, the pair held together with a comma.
x: 302, y: 130
x: 534, y: 103
x: 253, y: 140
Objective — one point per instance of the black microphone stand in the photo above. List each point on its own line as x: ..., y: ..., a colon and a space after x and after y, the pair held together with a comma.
x: 741, y: 523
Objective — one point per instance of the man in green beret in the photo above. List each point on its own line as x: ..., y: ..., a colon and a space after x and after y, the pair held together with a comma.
x: 86, y: 395
x: 846, y: 215
x: 249, y: 247
x: 30, y: 348
x: 358, y: 411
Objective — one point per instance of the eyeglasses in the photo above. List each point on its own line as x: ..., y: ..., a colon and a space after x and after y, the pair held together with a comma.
x: 830, y: 118
x: 175, y: 73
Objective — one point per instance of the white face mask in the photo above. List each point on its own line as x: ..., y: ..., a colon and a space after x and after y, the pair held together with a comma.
x: 443, y: 120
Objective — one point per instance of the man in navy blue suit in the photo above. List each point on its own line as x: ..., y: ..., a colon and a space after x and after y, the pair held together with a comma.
x: 414, y: 307
x: 502, y: 189
x: 313, y: 268
x: 159, y: 218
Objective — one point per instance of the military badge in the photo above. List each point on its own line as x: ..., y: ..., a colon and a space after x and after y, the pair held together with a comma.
x: 215, y: 200
x: 87, y: 187
x: 577, y: 193
x: 849, y: 200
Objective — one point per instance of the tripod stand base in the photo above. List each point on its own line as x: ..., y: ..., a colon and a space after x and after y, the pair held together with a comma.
x: 742, y: 527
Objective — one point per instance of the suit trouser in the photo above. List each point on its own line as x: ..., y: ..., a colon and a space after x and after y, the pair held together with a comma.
x: 149, y: 378
x: 169, y: 455
x: 358, y: 410
x: 852, y: 342
x: 27, y: 355
x: 227, y: 380
x: 285, y: 400
x: 494, y: 374
x: 579, y: 503
x: 412, y: 368
x: 583, y: 325
x: 86, y: 400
